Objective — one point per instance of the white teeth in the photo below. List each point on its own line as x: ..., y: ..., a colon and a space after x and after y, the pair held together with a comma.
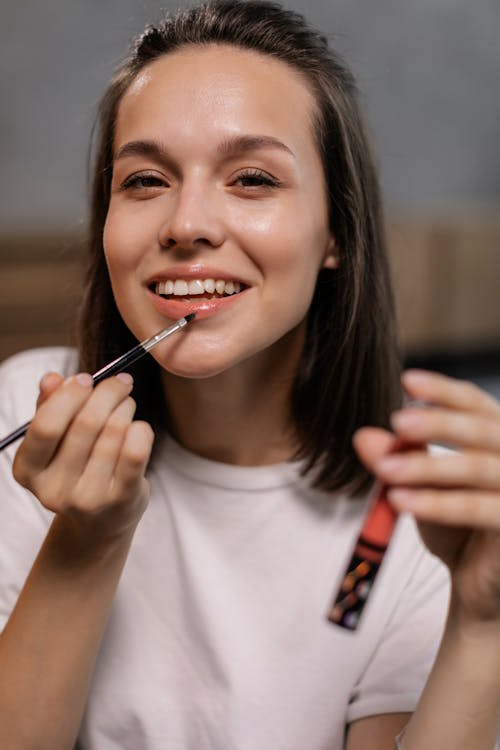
x: 193, y: 287
x: 180, y: 288
x: 196, y: 287
x: 220, y: 286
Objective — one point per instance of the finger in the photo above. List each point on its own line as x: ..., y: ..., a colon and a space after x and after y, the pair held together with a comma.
x: 449, y: 392
x: 461, y: 429
x: 86, y: 427
x: 49, y: 424
x: 97, y: 476
x: 371, y: 444
x: 479, y: 470
x: 459, y: 508
x: 48, y: 384
x: 133, y: 459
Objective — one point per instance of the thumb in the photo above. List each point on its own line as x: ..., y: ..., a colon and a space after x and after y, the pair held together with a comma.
x: 372, y: 444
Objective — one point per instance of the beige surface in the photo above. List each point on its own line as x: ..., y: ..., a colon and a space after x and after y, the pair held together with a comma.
x: 447, y: 281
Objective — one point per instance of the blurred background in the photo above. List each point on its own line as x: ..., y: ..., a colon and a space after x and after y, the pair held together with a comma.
x: 429, y: 74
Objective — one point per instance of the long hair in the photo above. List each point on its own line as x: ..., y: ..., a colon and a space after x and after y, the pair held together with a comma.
x: 348, y: 375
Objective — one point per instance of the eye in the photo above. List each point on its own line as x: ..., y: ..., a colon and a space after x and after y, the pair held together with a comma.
x: 143, y: 181
x: 256, y: 178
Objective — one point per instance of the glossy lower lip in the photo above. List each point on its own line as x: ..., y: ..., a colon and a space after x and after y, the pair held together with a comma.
x: 204, y: 308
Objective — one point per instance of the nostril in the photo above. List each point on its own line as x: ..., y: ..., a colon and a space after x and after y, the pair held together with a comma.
x: 168, y: 244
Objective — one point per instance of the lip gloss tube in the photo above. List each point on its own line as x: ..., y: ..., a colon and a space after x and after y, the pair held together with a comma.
x: 367, y: 556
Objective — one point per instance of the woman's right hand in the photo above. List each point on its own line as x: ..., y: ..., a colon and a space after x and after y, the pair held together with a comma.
x: 84, y: 458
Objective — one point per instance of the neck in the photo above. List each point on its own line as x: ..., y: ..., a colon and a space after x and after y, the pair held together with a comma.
x: 241, y: 416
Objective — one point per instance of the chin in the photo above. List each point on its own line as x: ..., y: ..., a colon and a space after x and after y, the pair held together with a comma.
x: 195, y: 367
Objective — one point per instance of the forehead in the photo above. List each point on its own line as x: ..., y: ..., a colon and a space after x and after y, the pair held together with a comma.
x: 218, y: 88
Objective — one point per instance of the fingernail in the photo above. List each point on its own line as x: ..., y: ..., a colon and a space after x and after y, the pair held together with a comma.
x: 85, y: 379
x: 125, y: 377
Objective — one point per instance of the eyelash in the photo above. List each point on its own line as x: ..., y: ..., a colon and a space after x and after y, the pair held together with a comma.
x: 265, y: 180
x: 257, y: 177
x: 134, y: 180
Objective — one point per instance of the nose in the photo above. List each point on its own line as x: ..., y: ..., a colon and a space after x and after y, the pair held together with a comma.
x: 194, y: 218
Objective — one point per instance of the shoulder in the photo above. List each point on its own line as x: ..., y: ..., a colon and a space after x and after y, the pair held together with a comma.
x: 21, y: 373
x: 30, y: 363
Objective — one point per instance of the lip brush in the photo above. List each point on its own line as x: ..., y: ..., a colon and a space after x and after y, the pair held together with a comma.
x: 117, y: 365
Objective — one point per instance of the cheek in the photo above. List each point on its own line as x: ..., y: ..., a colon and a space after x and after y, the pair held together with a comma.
x: 291, y: 249
x: 121, y: 242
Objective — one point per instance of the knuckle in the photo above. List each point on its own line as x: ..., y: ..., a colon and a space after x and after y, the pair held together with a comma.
x: 84, y: 422
x: 43, y: 431
x: 20, y: 472
x: 135, y: 456
x: 114, y: 429
x: 52, y: 499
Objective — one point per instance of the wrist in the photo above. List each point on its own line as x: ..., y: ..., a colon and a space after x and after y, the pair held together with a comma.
x: 471, y: 648
x: 471, y: 624
x: 73, y: 542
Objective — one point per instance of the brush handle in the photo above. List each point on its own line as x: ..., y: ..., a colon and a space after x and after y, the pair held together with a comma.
x: 13, y: 436
x: 117, y: 365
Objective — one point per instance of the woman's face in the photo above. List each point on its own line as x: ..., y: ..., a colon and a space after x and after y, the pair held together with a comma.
x: 217, y: 186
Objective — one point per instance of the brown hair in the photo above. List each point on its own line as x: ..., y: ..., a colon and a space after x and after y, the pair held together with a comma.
x: 349, y: 371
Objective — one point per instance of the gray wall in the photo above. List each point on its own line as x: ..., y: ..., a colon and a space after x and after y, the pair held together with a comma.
x: 429, y: 71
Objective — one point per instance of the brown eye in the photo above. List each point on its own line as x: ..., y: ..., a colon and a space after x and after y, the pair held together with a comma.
x: 255, y: 178
x: 143, y: 182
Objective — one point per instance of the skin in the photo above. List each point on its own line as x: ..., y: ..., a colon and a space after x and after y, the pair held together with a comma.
x: 85, y: 459
x: 455, y: 500
x: 211, y: 207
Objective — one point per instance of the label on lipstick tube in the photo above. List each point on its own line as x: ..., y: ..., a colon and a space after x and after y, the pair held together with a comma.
x: 367, y: 557
x: 364, y: 563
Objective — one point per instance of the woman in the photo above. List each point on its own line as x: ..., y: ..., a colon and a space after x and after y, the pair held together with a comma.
x: 180, y: 599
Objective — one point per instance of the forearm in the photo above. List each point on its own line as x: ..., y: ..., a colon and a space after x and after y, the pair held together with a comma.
x: 460, y: 706
x: 49, y: 645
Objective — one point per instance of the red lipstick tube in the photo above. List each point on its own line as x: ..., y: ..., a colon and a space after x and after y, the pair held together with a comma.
x: 366, y: 558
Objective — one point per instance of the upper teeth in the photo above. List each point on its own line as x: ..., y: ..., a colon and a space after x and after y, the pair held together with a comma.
x: 197, y: 286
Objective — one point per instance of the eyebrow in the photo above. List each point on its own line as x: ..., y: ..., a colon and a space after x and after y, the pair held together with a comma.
x: 240, y: 144
x: 228, y: 147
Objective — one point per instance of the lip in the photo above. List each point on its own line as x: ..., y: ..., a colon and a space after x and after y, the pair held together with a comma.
x: 194, y: 272
x: 203, y: 308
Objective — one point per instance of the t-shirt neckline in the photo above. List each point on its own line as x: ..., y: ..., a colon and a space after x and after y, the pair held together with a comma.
x: 228, y: 476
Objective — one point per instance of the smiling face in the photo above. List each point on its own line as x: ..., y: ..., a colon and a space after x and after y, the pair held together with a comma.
x: 218, y: 206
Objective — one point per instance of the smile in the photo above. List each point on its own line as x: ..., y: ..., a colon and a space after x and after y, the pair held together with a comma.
x: 197, y: 287
x: 175, y: 298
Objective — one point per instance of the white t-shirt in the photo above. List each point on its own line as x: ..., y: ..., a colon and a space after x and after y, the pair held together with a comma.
x: 218, y: 637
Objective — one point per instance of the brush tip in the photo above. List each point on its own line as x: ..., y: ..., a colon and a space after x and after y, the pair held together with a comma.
x: 190, y: 317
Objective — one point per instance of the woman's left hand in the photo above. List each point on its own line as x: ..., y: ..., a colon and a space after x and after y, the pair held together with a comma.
x: 454, y: 496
